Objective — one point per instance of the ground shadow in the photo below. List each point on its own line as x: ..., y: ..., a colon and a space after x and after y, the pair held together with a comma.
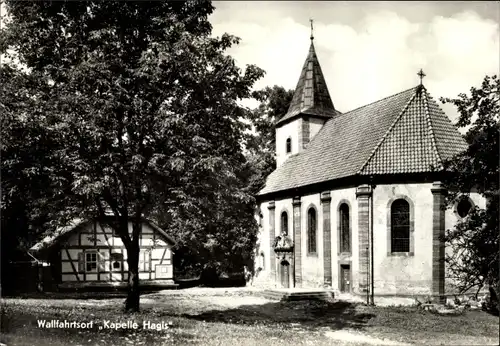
x: 306, y: 314
x: 80, y: 294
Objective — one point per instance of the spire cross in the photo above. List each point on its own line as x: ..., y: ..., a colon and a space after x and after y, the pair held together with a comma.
x: 421, y: 74
x: 312, y: 37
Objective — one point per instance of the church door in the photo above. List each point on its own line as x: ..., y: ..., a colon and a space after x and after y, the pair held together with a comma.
x: 345, y: 278
x: 285, y: 274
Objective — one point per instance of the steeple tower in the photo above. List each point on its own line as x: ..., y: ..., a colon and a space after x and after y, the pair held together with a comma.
x: 311, y: 93
x: 310, y: 108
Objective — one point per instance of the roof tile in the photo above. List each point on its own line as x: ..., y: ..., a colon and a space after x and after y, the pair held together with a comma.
x: 311, y: 94
x: 403, y: 133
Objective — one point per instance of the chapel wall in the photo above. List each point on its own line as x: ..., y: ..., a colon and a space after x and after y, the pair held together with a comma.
x: 348, y: 196
x: 262, y: 263
x: 312, y: 263
x: 451, y: 220
x: 289, y: 130
x: 400, y: 273
x: 315, y: 124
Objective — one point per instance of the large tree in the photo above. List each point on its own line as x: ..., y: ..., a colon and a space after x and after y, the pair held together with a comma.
x: 139, y: 103
x: 475, y: 239
x: 261, y: 144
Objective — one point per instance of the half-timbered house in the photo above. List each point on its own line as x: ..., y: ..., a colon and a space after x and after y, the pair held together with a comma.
x: 89, y: 253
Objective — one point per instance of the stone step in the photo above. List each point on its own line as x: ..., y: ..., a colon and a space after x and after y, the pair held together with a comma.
x: 298, y: 295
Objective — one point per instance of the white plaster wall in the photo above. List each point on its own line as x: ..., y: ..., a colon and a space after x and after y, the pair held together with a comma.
x: 451, y: 218
x: 88, y: 231
x: 315, y: 125
x: 263, y: 245
x: 403, y: 274
x: 292, y: 130
x: 451, y: 214
x: 281, y: 206
x: 264, y: 236
x: 312, y: 264
x: 348, y: 194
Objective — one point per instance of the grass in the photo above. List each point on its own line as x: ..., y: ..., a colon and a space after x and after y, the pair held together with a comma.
x: 217, y: 318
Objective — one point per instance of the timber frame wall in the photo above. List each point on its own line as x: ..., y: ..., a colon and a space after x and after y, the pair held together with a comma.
x: 155, y: 257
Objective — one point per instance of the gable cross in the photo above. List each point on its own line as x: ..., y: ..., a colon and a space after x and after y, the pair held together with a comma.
x: 421, y: 74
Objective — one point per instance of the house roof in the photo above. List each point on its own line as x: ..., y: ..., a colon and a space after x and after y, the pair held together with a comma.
x: 403, y: 133
x: 311, y: 95
x: 73, y: 225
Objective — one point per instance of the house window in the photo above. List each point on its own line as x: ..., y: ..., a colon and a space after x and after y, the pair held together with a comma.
x: 311, y: 230
x: 91, y: 261
x: 464, y: 207
x: 288, y: 145
x: 284, y: 223
x: 400, y: 226
x: 116, y: 260
x: 345, y: 239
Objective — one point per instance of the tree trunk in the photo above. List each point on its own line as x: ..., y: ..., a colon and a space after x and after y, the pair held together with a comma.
x: 494, y: 301
x: 133, y: 294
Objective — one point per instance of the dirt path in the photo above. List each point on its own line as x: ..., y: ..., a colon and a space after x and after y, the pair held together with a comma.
x: 352, y: 336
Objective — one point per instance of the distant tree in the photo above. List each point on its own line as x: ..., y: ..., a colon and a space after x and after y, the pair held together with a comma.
x: 25, y: 151
x: 128, y: 106
x: 475, y: 239
x: 261, y: 145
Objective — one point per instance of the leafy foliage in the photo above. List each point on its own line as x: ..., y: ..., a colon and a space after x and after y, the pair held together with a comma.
x: 475, y: 239
x: 261, y: 146
x: 129, y: 107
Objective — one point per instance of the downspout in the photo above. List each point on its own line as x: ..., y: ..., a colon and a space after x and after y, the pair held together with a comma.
x: 372, y: 293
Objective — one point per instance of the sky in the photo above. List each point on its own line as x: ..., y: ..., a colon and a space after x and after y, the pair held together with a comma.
x: 367, y: 50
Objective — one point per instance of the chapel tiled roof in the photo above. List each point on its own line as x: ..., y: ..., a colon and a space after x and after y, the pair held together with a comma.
x: 311, y: 95
x: 403, y: 133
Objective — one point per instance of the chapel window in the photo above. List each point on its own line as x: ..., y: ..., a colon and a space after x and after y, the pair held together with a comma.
x: 288, y: 145
x: 400, y: 226
x: 284, y: 223
x: 311, y: 230
x: 464, y: 206
x: 345, y: 239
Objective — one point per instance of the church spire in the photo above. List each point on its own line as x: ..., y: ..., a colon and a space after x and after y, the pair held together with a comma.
x: 312, y: 36
x: 311, y: 95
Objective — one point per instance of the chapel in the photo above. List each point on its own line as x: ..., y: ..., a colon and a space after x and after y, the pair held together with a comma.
x: 356, y: 202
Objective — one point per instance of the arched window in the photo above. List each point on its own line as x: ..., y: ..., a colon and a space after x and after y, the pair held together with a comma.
x: 284, y: 223
x: 400, y: 226
x: 288, y: 145
x: 311, y: 230
x: 262, y: 262
x: 345, y: 239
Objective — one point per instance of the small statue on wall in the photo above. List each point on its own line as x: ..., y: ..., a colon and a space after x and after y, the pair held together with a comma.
x: 283, y: 243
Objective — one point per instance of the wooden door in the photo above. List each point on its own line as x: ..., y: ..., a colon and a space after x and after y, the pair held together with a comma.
x: 285, y: 274
x: 345, y: 278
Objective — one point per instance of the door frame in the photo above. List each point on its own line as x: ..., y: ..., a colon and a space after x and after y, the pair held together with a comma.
x: 340, y: 265
x: 282, y: 272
